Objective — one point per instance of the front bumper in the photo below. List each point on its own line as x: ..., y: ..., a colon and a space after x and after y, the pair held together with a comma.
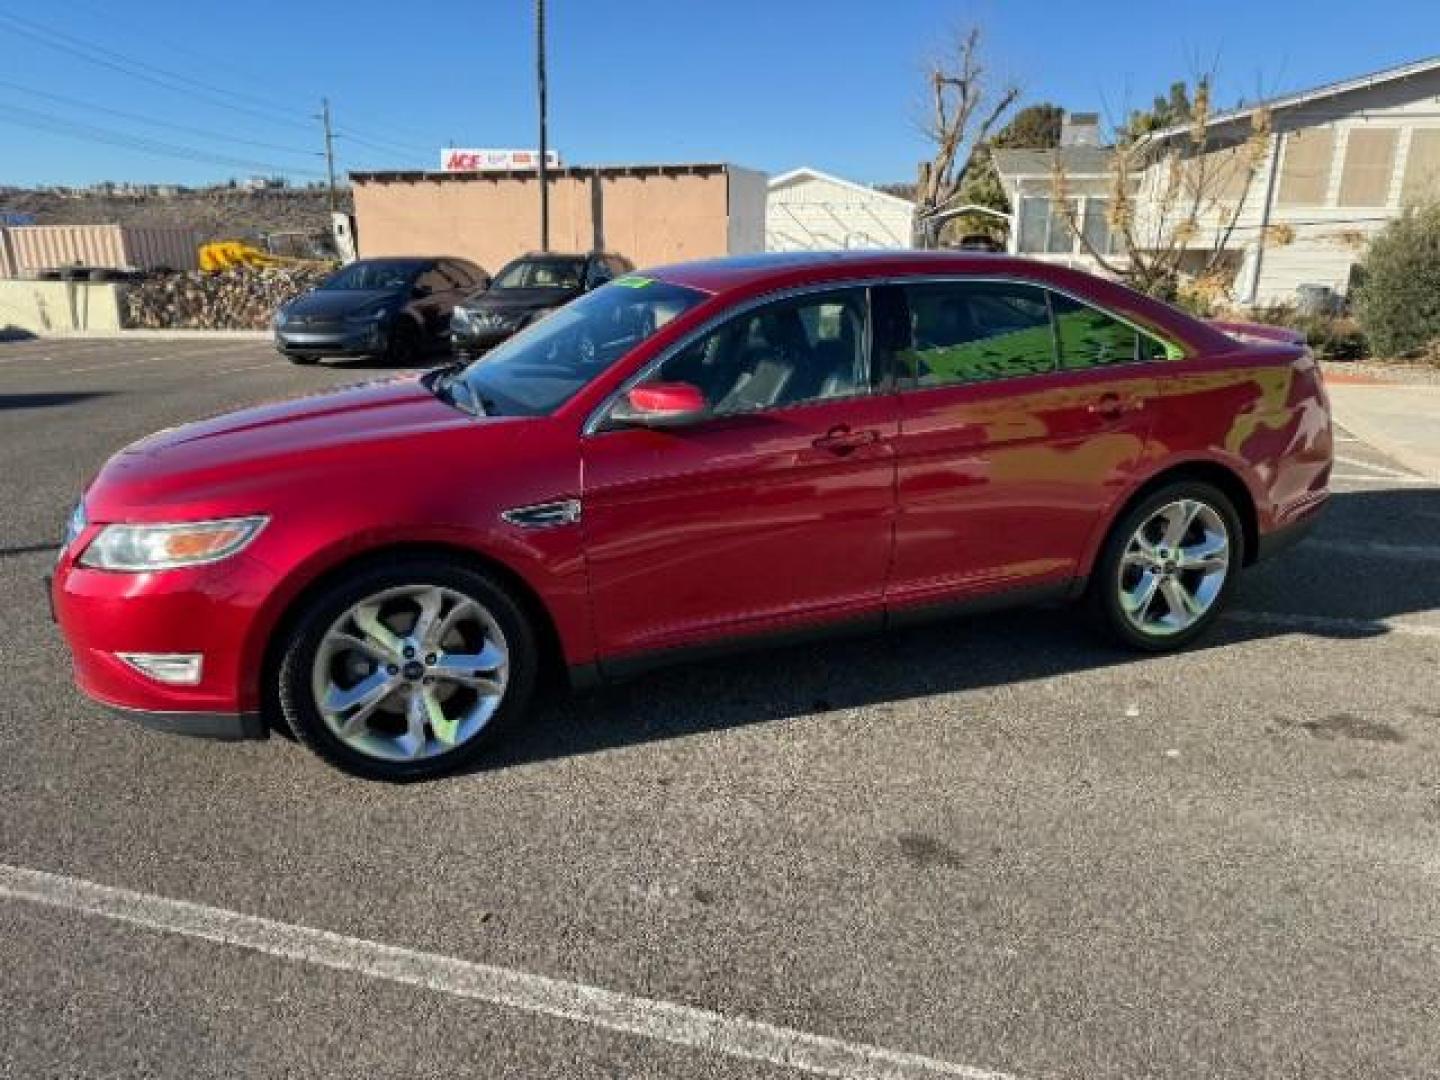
x: 227, y: 727
x: 368, y: 340
x: 210, y: 610
x: 475, y: 341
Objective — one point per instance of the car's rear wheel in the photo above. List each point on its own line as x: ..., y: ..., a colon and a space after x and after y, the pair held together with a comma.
x: 1168, y: 567
x: 407, y: 671
x: 405, y: 343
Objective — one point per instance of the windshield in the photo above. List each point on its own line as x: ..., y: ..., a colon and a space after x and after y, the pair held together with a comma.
x: 543, y: 366
x: 388, y: 274
x: 541, y: 274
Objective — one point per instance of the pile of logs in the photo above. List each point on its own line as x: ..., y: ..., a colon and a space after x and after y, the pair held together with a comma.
x: 244, y: 298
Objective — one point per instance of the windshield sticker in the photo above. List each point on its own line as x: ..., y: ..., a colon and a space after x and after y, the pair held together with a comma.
x: 633, y: 281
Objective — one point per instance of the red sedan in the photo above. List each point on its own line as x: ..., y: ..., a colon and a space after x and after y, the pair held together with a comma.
x: 704, y: 455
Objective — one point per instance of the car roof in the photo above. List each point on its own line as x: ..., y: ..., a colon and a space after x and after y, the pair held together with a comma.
x: 787, y: 267
x: 775, y: 271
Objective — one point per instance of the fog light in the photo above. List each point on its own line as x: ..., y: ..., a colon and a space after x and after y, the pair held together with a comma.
x: 173, y: 669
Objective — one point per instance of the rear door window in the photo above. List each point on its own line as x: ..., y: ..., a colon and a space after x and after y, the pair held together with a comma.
x: 976, y: 331
x: 1089, y: 337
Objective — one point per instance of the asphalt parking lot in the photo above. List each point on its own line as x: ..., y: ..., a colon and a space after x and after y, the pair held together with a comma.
x: 988, y: 848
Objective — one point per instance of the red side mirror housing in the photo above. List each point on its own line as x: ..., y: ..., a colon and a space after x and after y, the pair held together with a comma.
x: 660, y: 404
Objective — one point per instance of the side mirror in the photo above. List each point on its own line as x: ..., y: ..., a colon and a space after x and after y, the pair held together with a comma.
x: 660, y: 405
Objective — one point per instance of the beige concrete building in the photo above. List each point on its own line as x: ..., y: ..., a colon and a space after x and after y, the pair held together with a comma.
x: 651, y: 214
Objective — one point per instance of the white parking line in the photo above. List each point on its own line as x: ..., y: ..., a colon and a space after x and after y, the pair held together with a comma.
x: 1383, y: 470
x: 1333, y: 624
x: 662, y: 1021
x: 1356, y: 478
x: 1370, y: 548
x: 102, y: 367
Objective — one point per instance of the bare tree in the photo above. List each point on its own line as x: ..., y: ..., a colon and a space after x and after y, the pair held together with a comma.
x: 962, y: 112
x: 1173, y: 202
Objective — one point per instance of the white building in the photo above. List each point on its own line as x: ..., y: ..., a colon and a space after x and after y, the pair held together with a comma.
x: 1340, y: 162
x: 808, y: 210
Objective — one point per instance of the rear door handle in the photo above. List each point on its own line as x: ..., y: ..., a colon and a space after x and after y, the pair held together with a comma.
x: 1112, y: 406
x: 841, y: 440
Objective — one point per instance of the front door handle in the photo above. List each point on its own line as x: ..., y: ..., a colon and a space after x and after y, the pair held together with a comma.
x: 841, y: 440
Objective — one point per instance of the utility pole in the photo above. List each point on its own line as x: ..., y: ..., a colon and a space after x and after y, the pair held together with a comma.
x: 324, y: 118
x: 544, y: 162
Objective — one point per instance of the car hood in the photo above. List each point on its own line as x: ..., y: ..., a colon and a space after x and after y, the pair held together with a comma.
x: 520, y: 299
x: 335, y: 303
x: 314, y: 439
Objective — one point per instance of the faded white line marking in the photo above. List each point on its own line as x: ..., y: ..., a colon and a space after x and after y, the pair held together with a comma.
x: 1374, y: 547
x: 1383, y: 470
x: 102, y: 367
x: 1356, y: 478
x: 662, y: 1021
x: 1334, y: 624
x: 251, y: 367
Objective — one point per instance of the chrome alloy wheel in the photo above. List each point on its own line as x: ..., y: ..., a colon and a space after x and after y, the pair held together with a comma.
x: 410, y: 672
x: 1174, y: 567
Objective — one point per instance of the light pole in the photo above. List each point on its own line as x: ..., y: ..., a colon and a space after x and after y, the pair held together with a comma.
x: 544, y: 163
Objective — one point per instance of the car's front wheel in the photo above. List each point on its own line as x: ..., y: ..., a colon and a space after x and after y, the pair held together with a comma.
x: 405, y: 345
x: 1168, y: 567
x: 303, y: 359
x: 408, y: 670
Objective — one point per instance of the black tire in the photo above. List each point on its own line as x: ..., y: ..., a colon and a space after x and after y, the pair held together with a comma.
x: 300, y: 358
x: 405, y: 343
x: 293, y: 676
x: 1103, y: 593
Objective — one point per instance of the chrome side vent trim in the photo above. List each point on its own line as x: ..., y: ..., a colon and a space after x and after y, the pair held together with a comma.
x: 544, y: 515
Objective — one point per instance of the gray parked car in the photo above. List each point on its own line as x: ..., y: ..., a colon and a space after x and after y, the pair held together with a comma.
x: 395, y: 309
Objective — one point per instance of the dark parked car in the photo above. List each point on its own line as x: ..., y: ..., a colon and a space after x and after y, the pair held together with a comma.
x: 391, y: 309
x: 526, y: 290
x: 698, y: 457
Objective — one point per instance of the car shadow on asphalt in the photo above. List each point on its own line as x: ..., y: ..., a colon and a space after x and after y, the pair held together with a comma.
x: 48, y: 400
x: 1350, y: 594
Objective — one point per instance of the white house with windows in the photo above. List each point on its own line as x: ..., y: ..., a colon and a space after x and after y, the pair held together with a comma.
x: 808, y: 210
x: 1340, y: 162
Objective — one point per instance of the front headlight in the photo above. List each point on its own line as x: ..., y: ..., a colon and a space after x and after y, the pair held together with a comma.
x: 138, y: 548
x: 278, y: 319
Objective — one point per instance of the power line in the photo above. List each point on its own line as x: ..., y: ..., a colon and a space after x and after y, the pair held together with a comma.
x: 175, y: 82
x: 138, y: 69
x: 152, y: 121
x: 50, y: 124
x: 379, y: 145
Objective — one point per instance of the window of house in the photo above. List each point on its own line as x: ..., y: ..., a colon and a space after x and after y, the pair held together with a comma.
x: 1369, y: 165
x: 1034, y: 224
x: 1096, y: 227
x: 964, y: 332
x: 1090, y: 338
x: 1305, y: 169
x: 1221, y: 174
x: 1061, y: 240
x: 1422, y: 167
x: 790, y: 352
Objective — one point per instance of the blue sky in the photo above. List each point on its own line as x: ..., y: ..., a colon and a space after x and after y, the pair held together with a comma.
x: 767, y: 83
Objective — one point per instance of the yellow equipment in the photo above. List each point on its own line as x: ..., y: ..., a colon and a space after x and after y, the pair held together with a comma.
x: 232, y: 254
